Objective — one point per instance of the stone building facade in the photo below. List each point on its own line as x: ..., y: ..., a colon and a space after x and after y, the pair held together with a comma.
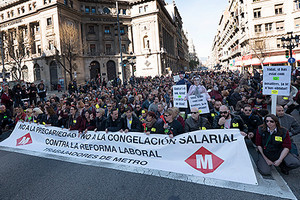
x: 152, y: 40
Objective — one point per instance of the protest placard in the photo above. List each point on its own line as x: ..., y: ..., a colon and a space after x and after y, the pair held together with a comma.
x: 179, y: 93
x: 200, y: 103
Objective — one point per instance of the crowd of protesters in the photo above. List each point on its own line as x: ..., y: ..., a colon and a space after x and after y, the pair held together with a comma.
x: 145, y: 105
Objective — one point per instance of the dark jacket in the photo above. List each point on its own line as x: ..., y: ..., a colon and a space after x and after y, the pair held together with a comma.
x: 192, y: 125
x: 136, y: 125
x: 100, y: 123
x: 85, y: 124
x: 113, y: 126
x: 252, y: 122
x: 53, y: 120
x: 236, y: 122
x: 174, y: 128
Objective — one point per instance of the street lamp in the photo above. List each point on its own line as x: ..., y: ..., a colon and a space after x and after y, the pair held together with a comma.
x: 290, y: 42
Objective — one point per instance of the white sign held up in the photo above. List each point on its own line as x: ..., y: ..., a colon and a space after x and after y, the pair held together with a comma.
x: 200, y: 103
x: 179, y: 93
x: 277, y: 80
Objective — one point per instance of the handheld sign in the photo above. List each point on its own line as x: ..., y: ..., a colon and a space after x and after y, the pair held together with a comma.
x: 200, y: 103
x: 277, y: 80
x: 179, y: 93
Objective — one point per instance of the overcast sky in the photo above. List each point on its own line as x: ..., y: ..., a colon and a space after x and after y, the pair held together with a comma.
x: 200, y: 19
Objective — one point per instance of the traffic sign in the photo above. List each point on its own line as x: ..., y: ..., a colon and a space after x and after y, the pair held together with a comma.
x: 291, y: 60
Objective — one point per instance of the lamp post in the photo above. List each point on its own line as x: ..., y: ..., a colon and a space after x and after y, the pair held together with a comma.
x: 2, y: 56
x: 290, y: 42
x: 120, y: 44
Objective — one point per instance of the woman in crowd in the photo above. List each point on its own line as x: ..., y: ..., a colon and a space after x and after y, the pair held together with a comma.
x: 151, y: 125
x: 170, y: 125
x: 87, y: 122
x: 28, y: 117
x: 50, y: 118
x: 20, y: 115
x: 100, y: 119
x: 37, y: 115
x: 274, y: 144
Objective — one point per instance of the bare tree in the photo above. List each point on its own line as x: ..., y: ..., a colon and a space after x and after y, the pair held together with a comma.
x: 17, y: 47
x: 259, y: 49
x: 70, y: 48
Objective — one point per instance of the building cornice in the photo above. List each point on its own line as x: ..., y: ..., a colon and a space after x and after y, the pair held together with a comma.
x: 4, y: 6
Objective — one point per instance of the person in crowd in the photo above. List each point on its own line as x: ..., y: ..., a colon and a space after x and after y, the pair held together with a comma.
x: 182, y: 81
x: 87, y: 123
x: 138, y: 110
x: 196, y: 122
x: 130, y: 123
x: 32, y: 91
x: 251, y: 120
x: 100, y: 119
x: 50, y: 118
x: 154, y: 106
x: 151, y: 125
x: 20, y: 115
x: 258, y: 103
x: 176, y: 115
x: 274, y: 143
x: 241, y: 103
x: 37, y: 115
x: 171, y: 126
x: 287, y: 121
x: 143, y: 116
x: 108, y: 109
x: 160, y: 110
x: 226, y: 120
x: 28, y: 117
x: 147, y: 102
x: 197, y: 89
x: 17, y: 91
x: 7, y: 98
x: 41, y: 91
x: 6, y: 121
x: 113, y: 122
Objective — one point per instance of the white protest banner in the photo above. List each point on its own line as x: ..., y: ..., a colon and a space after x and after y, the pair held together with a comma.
x: 200, y: 103
x: 219, y: 154
x: 179, y: 93
x: 277, y: 80
x: 176, y: 78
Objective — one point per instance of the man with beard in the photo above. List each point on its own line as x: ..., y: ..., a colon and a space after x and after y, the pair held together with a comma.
x: 226, y: 120
x: 196, y: 122
x: 113, y: 123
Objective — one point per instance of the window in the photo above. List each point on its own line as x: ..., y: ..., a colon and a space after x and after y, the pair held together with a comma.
x: 257, y: 28
x: 279, y: 26
x: 140, y: 9
x: 106, y: 30
x: 66, y: 2
x: 34, y: 4
x: 297, y: 4
x: 93, y: 9
x: 2, y: 16
x: 49, y: 21
x: 92, y: 49
x: 278, y: 9
x: 108, y: 48
x: 45, y: 1
x: 259, y: 44
x: 23, y: 9
x: 268, y: 26
x: 29, y: 7
x: 87, y: 9
x: 297, y: 22
x: 51, y: 45
x: 106, y: 10
x: 19, y: 10
x: 122, y: 30
x: 39, y: 49
x: 279, y: 42
x: 8, y: 15
x: 91, y: 30
x: 257, y: 13
x: 146, y: 8
x: 12, y: 13
x: 124, y: 49
x: 124, y: 11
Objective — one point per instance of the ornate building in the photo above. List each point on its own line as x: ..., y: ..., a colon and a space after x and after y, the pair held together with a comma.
x: 151, y: 38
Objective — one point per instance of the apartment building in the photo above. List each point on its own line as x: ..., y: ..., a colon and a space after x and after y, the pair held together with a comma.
x: 250, y: 31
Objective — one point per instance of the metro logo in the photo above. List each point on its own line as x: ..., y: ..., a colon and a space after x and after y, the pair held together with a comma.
x: 204, y: 161
x: 26, y: 139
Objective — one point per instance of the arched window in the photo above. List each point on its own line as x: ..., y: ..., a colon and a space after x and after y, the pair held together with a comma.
x: 146, y: 42
x: 37, y: 72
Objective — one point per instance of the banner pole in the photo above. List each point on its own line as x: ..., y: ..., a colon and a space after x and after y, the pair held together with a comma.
x: 273, y: 105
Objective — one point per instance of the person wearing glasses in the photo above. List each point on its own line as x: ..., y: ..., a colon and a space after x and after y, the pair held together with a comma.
x: 274, y: 143
x: 251, y: 120
x: 196, y: 122
x: 226, y: 120
x: 171, y: 126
